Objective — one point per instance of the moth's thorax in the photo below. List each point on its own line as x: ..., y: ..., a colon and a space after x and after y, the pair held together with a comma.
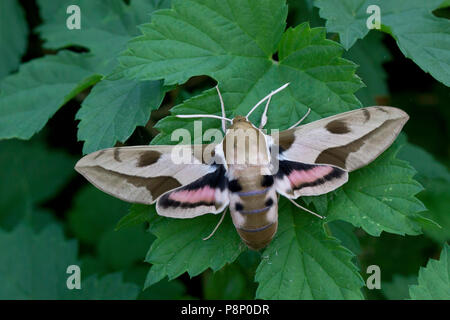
x: 244, y: 144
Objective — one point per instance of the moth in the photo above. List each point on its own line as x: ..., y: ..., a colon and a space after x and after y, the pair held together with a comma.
x: 311, y: 159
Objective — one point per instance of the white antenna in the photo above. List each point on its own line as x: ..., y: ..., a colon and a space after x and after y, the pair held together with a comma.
x: 222, y: 107
x: 265, y: 98
x: 217, y: 226
x: 301, y: 120
x: 307, y: 210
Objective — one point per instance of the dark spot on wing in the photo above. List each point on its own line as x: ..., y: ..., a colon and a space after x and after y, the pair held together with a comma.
x: 337, y: 127
x: 156, y: 186
x: 366, y: 115
x: 148, y: 158
x: 269, y: 202
x: 117, y: 155
x: 337, y: 156
x: 99, y: 154
x: 286, y: 139
x: 382, y: 109
x: 239, y: 206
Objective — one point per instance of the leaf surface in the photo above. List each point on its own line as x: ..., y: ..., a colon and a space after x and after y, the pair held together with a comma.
x: 302, y: 262
x: 43, y: 85
x: 13, y: 44
x: 434, y: 279
x: 33, y: 266
x: 420, y: 35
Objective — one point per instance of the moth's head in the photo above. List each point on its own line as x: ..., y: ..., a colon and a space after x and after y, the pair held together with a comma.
x: 240, y: 122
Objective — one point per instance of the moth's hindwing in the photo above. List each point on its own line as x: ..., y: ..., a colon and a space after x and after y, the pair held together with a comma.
x: 207, y: 194
x: 295, y: 179
x: 348, y: 140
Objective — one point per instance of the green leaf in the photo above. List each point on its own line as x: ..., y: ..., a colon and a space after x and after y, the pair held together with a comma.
x: 121, y: 249
x: 302, y: 262
x: 13, y: 44
x: 22, y: 177
x: 398, y: 289
x: 114, y: 108
x: 106, y: 26
x: 435, y: 177
x: 434, y: 279
x: 426, y: 165
x: 345, y: 233
x: 31, y: 96
x: 41, y: 218
x: 304, y: 11
x: 179, y: 247
x: 163, y: 290
x: 94, y: 213
x: 137, y: 214
x: 234, y: 44
x: 420, y: 35
x: 108, y: 287
x: 370, y: 54
x: 228, y: 283
x: 380, y: 197
x: 33, y: 266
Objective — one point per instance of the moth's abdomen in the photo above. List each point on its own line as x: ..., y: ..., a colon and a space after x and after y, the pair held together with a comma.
x: 254, y: 208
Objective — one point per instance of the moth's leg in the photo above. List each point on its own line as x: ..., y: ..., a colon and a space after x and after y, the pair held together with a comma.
x: 222, y: 106
x: 303, y: 118
x: 217, y: 226
x: 264, y: 115
x: 307, y: 210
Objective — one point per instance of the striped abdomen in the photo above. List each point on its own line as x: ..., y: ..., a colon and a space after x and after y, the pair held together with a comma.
x: 253, y: 205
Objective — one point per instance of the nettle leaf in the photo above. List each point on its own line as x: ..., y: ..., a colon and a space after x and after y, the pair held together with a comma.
x: 123, y: 248
x: 398, y: 288
x: 116, y: 105
x: 426, y: 41
x: 228, y: 283
x: 13, y: 44
x: 233, y: 43
x: 434, y: 279
x: 303, y: 11
x: 33, y: 266
x: 22, y: 177
x: 180, y: 247
x: 379, y: 197
x: 92, y: 220
x: 106, y: 26
x: 435, y: 177
x: 31, y: 96
x: 345, y: 233
x: 94, y: 213
x: 138, y: 214
x: 370, y: 54
x: 114, y: 108
x: 302, y: 262
x: 163, y: 290
x: 108, y: 287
